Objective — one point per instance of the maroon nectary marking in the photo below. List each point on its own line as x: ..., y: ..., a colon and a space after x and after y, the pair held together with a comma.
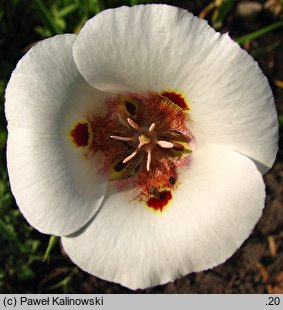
x: 176, y: 98
x: 80, y: 134
x: 159, y: 203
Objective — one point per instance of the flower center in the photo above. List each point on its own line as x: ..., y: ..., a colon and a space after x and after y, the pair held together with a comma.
x: 147, y: 139
x: 144, y: 140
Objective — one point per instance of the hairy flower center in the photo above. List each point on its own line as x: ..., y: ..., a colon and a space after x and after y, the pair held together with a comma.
x: 144, y: 140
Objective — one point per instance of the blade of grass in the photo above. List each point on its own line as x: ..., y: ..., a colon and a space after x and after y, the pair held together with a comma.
x: 9, y: 235
x: 62, y: 283
x: 133, y: 2
x: 258, y: 33
x: 265, y: 50
x: 222, y: 12
x: 3, y: 139
x: 211, y: 6
x: 67, y: 10
x: 47, y: 18
x: 94, y: 6
x: 136, y: 2
x: 52, y: 241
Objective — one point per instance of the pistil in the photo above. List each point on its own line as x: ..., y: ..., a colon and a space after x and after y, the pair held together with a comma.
x: 143, y: 139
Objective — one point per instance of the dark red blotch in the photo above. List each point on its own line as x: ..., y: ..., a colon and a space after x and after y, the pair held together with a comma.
x: 80, y: 134
x: 176, y: 98
x: 158, y: 204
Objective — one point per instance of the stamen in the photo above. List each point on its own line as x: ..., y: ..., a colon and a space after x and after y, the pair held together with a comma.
x: 148, y: 139
x: 132, y: 123
x: 121, y: 138
x: 165, y: 144
x: 130, y: 157
x: 148, y: 159
x: 151, y: 128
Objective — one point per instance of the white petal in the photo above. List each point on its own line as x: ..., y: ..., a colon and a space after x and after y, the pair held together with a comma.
x: 45, y: 85
x: 234, y: 105
x: 56, y: 187
x: 213, y: 211
x: 136, y: 49
x: 158, y: 47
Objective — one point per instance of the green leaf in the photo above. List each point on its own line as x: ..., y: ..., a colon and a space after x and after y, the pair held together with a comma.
x: 52, y: 241
x: 267, y: 49
x: 25, y: 273
x: 258, y: 33
x: 47, y: 17
x: 221, y: 12
x: 3, y: 139
x: 67, y: 10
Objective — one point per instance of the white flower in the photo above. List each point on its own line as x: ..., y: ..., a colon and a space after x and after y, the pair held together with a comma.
x: 147, y: 109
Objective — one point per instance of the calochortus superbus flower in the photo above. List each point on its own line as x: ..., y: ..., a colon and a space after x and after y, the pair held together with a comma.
x: 142, y: 142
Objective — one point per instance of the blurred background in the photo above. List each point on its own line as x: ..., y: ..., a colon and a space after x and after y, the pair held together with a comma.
x: 31, y: 262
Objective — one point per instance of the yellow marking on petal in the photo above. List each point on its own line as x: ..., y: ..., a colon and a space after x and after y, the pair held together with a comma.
x: 180, y: 147
x: 121, y: 171
x: 128, y: 106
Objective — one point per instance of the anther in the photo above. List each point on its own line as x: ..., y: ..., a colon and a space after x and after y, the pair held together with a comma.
x: 121, y: 138
x: 132, y: 123
x: 151, y: 128
x: 130, y: 157
x: 148, y: 159
x: 165, y: 144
